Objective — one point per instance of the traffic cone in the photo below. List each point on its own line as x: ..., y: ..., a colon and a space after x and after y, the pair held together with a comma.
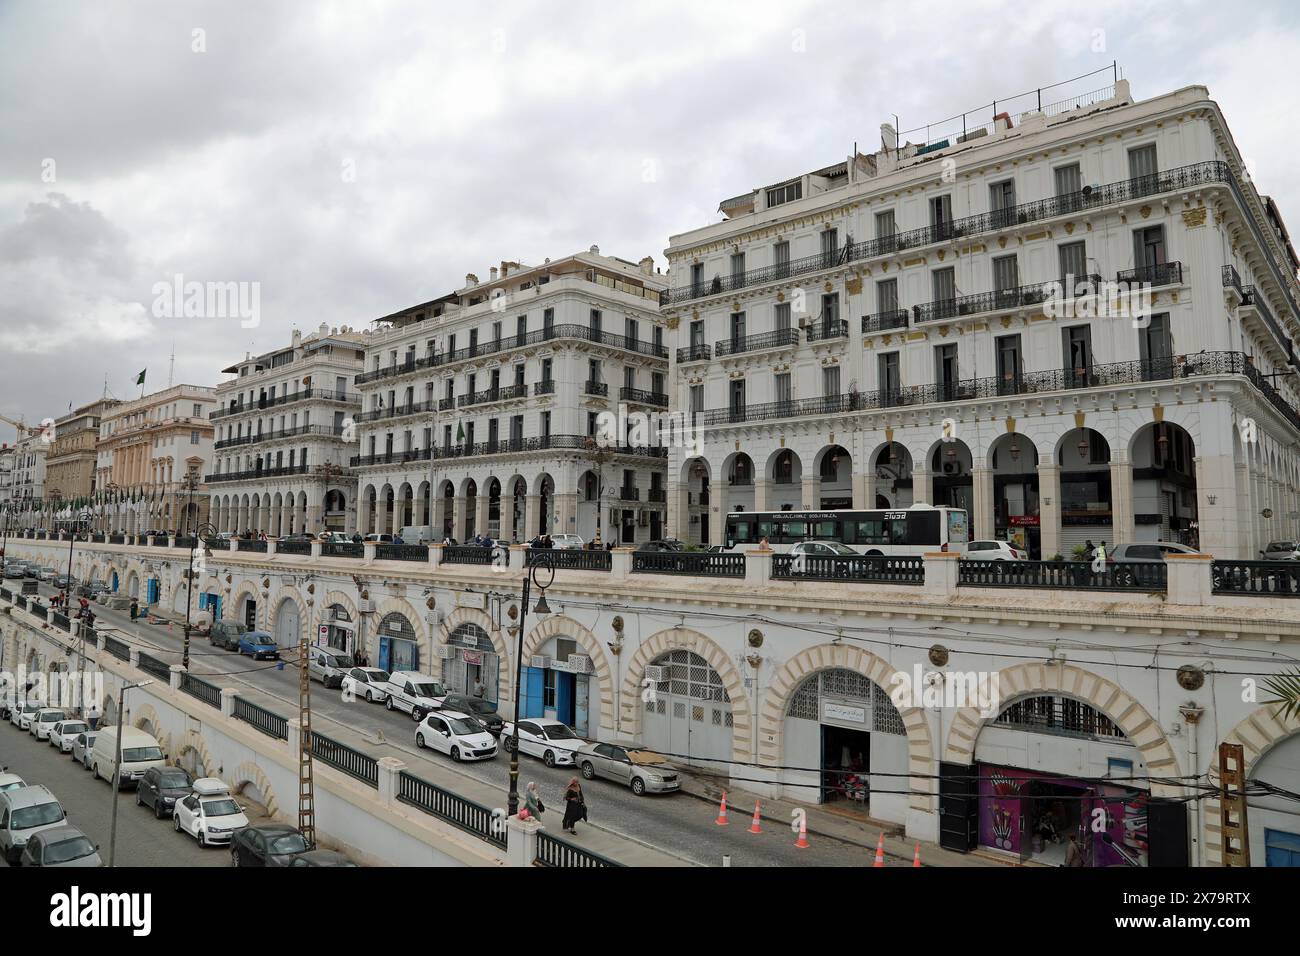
x: 880, y: 851
x: 754, y: 827
x: 916, y: 860
x: 722, y: 811
x: 802, y: 842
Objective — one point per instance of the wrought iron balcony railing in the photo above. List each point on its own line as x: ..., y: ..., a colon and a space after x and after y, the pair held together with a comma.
x: 643, y: 397
x: 737, y: 344
x: 493, y: 395
x: 825, y: 329
x: 694, y: 353
x: 885, y: 321
x: 302, y: 395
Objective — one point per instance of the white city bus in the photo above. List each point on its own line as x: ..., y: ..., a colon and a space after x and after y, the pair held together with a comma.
x: 907, y: 532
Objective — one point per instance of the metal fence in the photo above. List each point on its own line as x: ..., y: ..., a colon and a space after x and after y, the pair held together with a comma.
x: 695, y: 563
x: 154, y: 666
x: 401, y: 552
x: 267, y: 721
x: 119, y: 649
x: 62, y: 622
x: 342, y: 549
x: 1274, y: 578
x: 462, y: 554
x: 552, y: 851
x: 293, y: 547
x: 342, y: 757
x: 197, y: 687
x: 1072, y: 575
x: 459, y: 812
x: 572, y: 559
x: 882, y: 570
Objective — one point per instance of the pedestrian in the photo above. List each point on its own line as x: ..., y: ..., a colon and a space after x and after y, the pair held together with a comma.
x: 478, y: 688
x: 575, y: 806
x: 533, y: 801
x: 1090, y: 548
x: 1073, y: 852
x: 135, y: 609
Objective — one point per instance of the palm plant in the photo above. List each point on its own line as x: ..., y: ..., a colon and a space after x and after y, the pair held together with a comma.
x: 1285, y: 688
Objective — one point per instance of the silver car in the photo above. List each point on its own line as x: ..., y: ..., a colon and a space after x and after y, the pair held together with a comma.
x: 82, y: 747
x: 642, y: 770
x: 61, y: 846
x: 1281, y: 551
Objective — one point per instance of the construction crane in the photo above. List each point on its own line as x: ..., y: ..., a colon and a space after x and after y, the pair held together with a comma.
x: 20, y: 426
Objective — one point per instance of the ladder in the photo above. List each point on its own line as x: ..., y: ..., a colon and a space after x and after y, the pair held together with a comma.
x: 306, y: 790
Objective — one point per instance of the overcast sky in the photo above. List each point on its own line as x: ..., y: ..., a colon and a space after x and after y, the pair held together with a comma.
x: 354, y: 158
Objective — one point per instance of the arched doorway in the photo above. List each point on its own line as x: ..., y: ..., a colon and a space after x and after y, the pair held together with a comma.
x: 892, y: 467
x: 288, y: 624
x: 399, y: 648
x: 697, y: 478
x: 1085, y: 493
x: 688, y: 713
x: 835, y: 478
x: 1164, y: 484
x: 471, y: 659
x: 1013, y: 461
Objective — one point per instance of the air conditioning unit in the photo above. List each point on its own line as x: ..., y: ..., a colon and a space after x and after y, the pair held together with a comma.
x: 445, y: 652
x: 951, y: 468
x: 580, y: 663
x: 644, y: 519
x: 540, y: 661
x: 366, y: 607
x: 804, y: 321
x: 656, y: 673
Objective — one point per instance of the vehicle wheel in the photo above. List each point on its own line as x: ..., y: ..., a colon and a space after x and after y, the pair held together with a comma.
x: 157, y: 810
x: 417, y: 714
x: 455, y: 754
x: 234, y: 858
x: 638, y: 786
x: 508, y: 745
x: 588, y: 771
x: 176, y: 822
x: 389, y: 703
x: 548, y: 758
x: 370, y: 698
x: 201, y: 838
x: 138, y: 801
x: 419, y: 741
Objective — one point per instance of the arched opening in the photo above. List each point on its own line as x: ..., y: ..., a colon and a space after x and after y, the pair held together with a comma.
x: 835, y: 472
x: 784, y: 473
x: 1164, y: 484
x: 335, y: 509
x: 1085, y: 495
x: 950, y: 475
x: 738, y: 468
x: 494, y: 508
x: 288, y: 624
x: 471, y: 509
x: 399, y: 648
x: 688, y: 715
x: 892, y: 467
x: 471, y: 663
x: 546, y: 505
x: 340, y: 630
x: 589, y: 491
x: 1013, y: 461
x: 697, y: 477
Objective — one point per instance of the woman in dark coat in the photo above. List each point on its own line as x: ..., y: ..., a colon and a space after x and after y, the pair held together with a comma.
x: 575, y: 807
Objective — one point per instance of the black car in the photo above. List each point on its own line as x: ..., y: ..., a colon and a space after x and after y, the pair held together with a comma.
x: 484, y: 710
x: 271, y: 844
x: 321, y: 858
x: 161, y: 787
x: 670, y: 544
x: 226, y: 634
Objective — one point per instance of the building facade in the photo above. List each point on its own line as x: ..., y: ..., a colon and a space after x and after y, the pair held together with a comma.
x: 8, y: 457
x: 148, y: 454
x: 30, y: 453
x: 284, y: 436
x: 70, y: 467
x: 484, y: 411
x: 1077, y: 324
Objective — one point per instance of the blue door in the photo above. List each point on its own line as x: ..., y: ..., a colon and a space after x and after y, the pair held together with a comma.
x: 1281, y: 848
x: 530, y: 704
x: 564, y: 698
x: 153, y: 591
x: 114, y: 582
x: 383, y: 653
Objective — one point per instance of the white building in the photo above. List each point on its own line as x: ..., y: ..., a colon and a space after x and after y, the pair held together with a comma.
x: 30, y: 452
x: 489, y: 396
x: 8, y: 457
x: 284, y: 434
x: 834, y: 328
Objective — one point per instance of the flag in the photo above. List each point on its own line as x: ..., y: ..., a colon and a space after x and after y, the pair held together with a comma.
x: 460, y: 431
x: 139, y: 379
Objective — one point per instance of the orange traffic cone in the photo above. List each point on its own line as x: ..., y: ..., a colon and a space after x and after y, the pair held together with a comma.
x: 754, y: 827
x: 880, y: 851
x: 916, y: 860
x: 722, y: 811
x: 802, y: 842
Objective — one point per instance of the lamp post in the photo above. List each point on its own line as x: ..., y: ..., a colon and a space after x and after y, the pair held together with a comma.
x: 543, y: 563
x: 117, y: 763
x: 600, y: 454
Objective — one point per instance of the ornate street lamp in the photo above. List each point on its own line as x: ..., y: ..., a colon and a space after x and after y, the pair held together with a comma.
x: 541, y: 573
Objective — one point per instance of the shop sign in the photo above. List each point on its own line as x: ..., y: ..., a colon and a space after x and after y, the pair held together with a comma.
x: 471, y: 657
x: 1024, y: 521
x: 323, y: 634
x: 576, y: 664
x: 854, y: 715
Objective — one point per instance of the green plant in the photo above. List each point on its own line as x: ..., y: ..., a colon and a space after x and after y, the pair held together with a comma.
x: 1285, y: 689
x: 1079, y: 553
x: 1058, y: 557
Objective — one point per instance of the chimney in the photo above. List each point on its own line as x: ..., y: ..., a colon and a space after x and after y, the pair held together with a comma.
x: 888, y: 137
x: 595, y: 250
x: 297, y: 338
x: 505, y: 268
x: 647, y: 266
x: 471, y: 280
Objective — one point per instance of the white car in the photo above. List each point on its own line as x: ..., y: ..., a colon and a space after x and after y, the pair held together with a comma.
x: 65, y: 732
x: 21, y: 715
x: 565, y: 541
x: 209, y: 814
x: 83, y: 746
x: 551, y: 740
x: 365, y: 683
x: 10, y: 781
x: 994, y: 551
x: 455, y: 734
x: 414, y: 693
x: 44, y: 721
x: 824, y: 549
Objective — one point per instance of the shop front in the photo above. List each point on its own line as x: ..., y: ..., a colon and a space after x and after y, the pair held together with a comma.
x: 559, y: 684
x: 399, y: 649
x: 688, y: 716
x: 469, y: 661
x: 338, y: 632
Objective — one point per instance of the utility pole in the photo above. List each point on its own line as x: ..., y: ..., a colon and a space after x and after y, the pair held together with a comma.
x: 306, y: 789
x: 117, y: 763
x: 1232, y: 805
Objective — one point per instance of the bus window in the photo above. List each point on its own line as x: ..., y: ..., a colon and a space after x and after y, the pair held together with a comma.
x: 921, y: 529
x: 764, y: 529
x: 793, y: 531
x: 896, y: 530
x: 867, y: 531
x: 740, y: 531
x: 827, y: 530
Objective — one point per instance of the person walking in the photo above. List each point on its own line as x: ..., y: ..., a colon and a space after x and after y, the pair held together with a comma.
x: 478, y: 688
x: 575, y: 806
x: 533, y: 801
x: 135, y: 609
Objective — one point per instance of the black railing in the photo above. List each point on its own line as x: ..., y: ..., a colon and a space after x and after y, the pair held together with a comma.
x: 62, y: 621
x: 572, y: 559
x: 34, y: 606
x: 885, y: 321
x: 780, y: 338
x: 395, y: 411
x: 1059, y: 715
x: 465, y: 814
x: 465, y: 554
x: 117, y: 539
x: 657, y: 495
x: 342, y: 757
x: 980, y: 302
x: 272, y: 435
x: 503, y: 447
x: 217, y: 544
x: 302, y: 395
x: 694, y: 563
x: 544, y: 388
x: 1065, y: 575
x: 1271, y: 578
x: 1161, y: 273
x: 154, y: 666
x: 119, y: 649
x: 342, y: 549
x: 498, y: 394
x: 185, y: 542
x: 256, y: 473
x: 267, y: 721
x: 825, y: 329
x: 1088, y: 198
x: 643, y: 397
x: 293, y: 547
x: 197, y: 687
x: 629, y: 494
x: 694, y: 353
x: 552, y: 851
x: 595, y: 388
x: 6, y: 594
x: 401, y: 552
x: 160, y: 541
x: 250, y: 544
x: 881, y: 570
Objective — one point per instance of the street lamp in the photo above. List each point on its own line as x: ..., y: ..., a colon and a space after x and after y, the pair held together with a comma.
x: 543, y: 562
x: 203, y: 532
x: 117, y: 763
x: 600, y: 454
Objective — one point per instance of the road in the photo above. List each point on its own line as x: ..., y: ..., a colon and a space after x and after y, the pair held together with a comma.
x: 676, y: 823
x: 141, y: 839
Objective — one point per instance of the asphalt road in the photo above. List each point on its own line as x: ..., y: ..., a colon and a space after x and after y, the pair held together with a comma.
x: 141, y: 840
x: 675, y: 823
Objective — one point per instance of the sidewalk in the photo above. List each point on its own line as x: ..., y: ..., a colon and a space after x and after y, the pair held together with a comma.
x: 826, y: 821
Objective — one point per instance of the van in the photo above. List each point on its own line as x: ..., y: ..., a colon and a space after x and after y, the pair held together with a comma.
x: 24, y: 813
x: 139, y: 753
x: 416, y: 534
x: 329, y: 666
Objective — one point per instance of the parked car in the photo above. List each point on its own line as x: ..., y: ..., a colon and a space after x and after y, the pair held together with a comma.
x: 319, y: 858
x: 65, y: 732
x: 209, y: 814
x: 226, y: 634
x: 551, y: 740
x: 44, y: 722
x: 642, y: 770
x: 45, y: 574
x: 161, y: 787
x: 824, y: 549
x: 662, y: 545
x: 270, y: 844
x: 83, y: 746
x: 1281, y: 551
x: 1147, y: 552
x: 994, y: 551
x: 61, y: 846
x: 22, y: 714
x: 457, y: 735
x: 414, y: 693
x: 484, y: 710
x: 328, y: 665
x: 375, y: 538
x: 140, y: 752
x: 24, y: 813
x: 63, y: 582
x: 259, y: 645
x: 366, y: 683
x: 10, y: 781
x: 13, y: 572
x: 563, y: 541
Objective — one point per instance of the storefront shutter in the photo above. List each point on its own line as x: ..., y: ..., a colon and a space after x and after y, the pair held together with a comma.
x: 958, y: 806
x: 1167, y: 832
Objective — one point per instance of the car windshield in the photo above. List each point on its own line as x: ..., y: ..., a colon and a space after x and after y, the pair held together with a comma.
x: 52, y: 717
x: 340, y: 660
x: 38, y: 816
x: 481, y: 706
x: 174, y: 781
x: 289, y: 843
x: 559, y: 732
x: 132, y: 754
x: 378, y: 675
x: 65, y: 851
x: 220, y: 808
x: 840, y: 548
x: 1282, y: 546
x: 31, y: 708
x: 72, y: 728
x: 465, y: 726
x: 429, y: 690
